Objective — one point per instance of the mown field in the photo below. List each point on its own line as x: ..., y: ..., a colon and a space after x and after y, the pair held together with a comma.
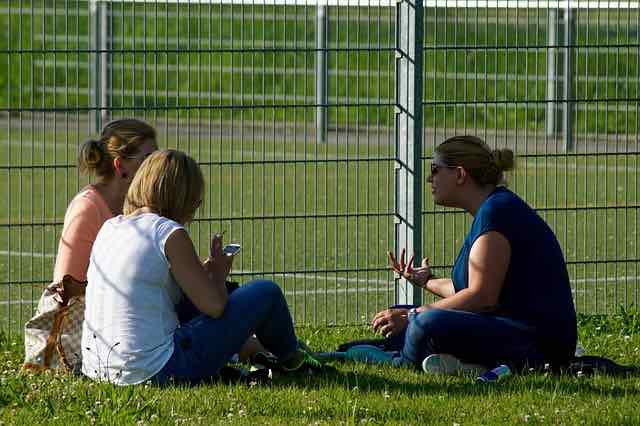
x: 227, y: 83
x: 483, y: 68
x: 319, y: 219
x: 354, y: 394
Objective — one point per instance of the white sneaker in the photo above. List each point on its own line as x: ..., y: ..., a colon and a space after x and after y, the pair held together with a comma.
x: 449, y: 364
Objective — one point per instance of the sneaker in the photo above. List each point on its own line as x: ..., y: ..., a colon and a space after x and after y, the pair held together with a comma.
x: 369, y: 354
x: 252, y: 376
x: 311, y: 363
x: 449, y: 364
x: 303, y: 361
x: 265, y: 360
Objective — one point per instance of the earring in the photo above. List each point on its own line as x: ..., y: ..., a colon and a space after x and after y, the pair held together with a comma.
x: 124, y: 175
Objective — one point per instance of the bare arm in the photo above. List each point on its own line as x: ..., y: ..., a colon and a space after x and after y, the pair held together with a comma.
x: 421, y: 276
x: 206, y: 289
x: 442, y: 287
x: 488, y: 263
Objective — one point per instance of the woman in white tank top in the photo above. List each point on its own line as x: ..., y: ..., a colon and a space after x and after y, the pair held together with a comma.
x: 143, y: 262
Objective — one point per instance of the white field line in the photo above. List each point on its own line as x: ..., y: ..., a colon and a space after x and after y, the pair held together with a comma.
x: 27, y: 254
x: 342, y: 280
x: 316, y: 276
x: 327, y: 277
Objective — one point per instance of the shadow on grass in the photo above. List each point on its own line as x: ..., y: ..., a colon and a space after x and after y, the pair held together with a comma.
x: 417, y: 383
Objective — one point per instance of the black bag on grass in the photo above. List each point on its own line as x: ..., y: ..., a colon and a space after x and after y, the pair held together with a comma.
x: 590, y: 364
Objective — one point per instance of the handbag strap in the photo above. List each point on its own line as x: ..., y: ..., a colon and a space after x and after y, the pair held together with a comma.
x: 52, y: 339
x: 69, y: 288
x: 66, y: 289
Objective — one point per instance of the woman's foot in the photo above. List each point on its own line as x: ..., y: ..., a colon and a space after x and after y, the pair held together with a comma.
x: 302, y: 360
x: 251, y: 347
x: 449, y: 364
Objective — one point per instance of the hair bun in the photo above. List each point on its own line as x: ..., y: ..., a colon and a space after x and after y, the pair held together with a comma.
x: 91, y: 156
x: 503, y: 158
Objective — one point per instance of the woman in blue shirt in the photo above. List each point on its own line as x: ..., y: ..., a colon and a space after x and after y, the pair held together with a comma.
x: 509, y: 299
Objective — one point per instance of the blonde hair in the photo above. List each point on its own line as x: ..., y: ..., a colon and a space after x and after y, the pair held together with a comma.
x: 120, y: 138
x: 168, y: 182
x: 486, y: 166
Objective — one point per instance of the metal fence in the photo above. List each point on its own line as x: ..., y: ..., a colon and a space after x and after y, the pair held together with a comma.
x: 312, y: 132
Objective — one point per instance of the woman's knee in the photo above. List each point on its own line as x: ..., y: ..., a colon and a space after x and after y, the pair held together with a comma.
x: 265, y: 289
x: 432, y: 318
x: 426, y: 324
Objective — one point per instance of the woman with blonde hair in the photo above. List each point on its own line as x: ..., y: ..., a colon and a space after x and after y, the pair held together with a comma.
x: 508, y: 300
x: 143, y: 262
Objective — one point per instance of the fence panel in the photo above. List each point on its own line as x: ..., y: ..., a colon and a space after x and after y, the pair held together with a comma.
x: 313, y: 201
x: 235, y: 86
x: 560, y: 87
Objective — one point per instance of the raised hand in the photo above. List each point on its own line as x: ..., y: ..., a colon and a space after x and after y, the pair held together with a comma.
x: 215, y: 249
x: 218, y: 265
x: 418, y: 276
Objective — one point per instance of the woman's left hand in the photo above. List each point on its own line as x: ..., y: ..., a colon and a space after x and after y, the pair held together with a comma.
x: 390, y: 321
x: 417, y: 276
x: 218, y: 264
x: 215, y: 250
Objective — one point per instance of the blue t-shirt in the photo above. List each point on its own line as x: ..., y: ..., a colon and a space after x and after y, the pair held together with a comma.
x: 536, y: 289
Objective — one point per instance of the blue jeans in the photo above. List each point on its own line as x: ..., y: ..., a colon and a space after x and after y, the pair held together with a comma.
x: 475, y: 338
x: 203, y: 345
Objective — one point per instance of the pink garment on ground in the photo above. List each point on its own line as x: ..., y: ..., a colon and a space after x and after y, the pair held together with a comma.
x: 82, y: 221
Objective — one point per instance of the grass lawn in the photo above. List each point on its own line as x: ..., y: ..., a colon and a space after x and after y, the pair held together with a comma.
x: 319, y: 219
x: 355, y: 394
x: 487, y: 65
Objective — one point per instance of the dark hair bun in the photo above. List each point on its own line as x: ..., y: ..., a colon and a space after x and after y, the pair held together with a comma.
x: 503, y: 159
x: 92, y: 157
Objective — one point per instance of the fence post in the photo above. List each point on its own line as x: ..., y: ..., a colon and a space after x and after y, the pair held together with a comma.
x: 408, y: 136
x: 552, y: 119
x: 567, y: 87
x: 321, y: 74
x: 99, y: 27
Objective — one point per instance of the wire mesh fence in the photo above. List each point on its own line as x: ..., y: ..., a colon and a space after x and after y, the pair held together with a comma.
x: 291, y: 110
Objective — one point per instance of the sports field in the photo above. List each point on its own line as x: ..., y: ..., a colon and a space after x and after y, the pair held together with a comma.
x: 483, y: 67
x: 354, y: 394
x: 318, y: 219
x: 234, y: 85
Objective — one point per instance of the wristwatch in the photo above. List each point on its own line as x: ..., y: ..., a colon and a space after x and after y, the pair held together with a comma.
x: 412, y: 314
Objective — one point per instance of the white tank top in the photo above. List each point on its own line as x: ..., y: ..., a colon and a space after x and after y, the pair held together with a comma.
x: 130, y: 318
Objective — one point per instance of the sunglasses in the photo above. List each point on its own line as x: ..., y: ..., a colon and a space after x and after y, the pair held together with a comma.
x: 138, y: 156
x: 435, y: 167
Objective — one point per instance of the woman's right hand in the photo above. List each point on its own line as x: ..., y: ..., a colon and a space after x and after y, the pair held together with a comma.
x: 417, y: 276
x: 204, y: 286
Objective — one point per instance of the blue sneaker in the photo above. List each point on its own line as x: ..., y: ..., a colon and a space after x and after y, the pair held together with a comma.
x: 369, y: 354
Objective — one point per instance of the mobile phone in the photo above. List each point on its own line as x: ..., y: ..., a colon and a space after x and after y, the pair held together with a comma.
x: 231, y: 249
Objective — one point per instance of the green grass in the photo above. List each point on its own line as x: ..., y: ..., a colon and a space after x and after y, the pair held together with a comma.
x: 321, y: 226
x: 355, y: 394
x: 495, y: 74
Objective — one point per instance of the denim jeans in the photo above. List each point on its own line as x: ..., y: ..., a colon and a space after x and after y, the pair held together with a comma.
x: 475, y: 338
x: 203, y: 345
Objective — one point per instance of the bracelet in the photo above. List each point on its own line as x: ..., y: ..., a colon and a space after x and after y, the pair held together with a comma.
x: 430, y: 277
